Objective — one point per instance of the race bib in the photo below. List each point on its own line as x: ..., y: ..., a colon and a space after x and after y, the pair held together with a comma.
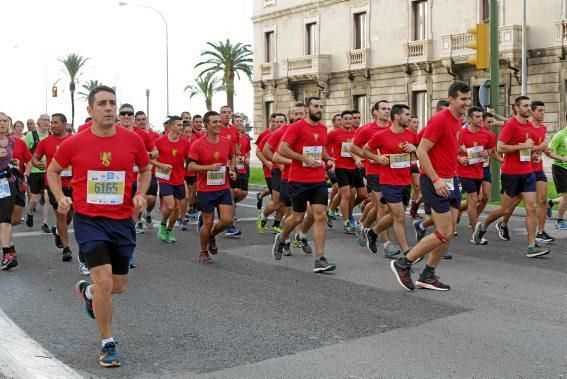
x: 162, y: 174
x: 475, y: 154
x: 68, y: 172
x: 345, y: 153
x: 105, y: 187
x: 400, y: 160
x: 217, y: 178
x: 449, y: 182
x: 525, y: 155
x: 4, y: 188
x: 315, y: 152
x: 486, y: 162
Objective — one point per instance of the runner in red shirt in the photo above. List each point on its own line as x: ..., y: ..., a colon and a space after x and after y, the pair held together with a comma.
x: 47, y: 148
x: 305, y: 144
x: 21, y: 157
x: 208, y: 157
x: 356, y: 119
x: 187, y: 206
x: 242, y: 163
x: 392, y: 148
x: 266, y: 164
x: 437, y: 154
x: 173, y: 150
x: 102, y: 159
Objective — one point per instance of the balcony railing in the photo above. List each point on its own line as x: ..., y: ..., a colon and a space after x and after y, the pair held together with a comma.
x: 418, y: 51
x: 358, y: 59
x: 509, y: 39
x: 269, y: 71
x: 308, y: 65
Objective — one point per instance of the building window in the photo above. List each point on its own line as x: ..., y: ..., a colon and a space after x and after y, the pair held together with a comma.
x: 361, y: 105
x: 419, y: 107
x: 485, y: 10
x: 270, y: 47
x: 360, y: 30
x: 311, y: 38
x: 268, y: 110
x: 420, y: 16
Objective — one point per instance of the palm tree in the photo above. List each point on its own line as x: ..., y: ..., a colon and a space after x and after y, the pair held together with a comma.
x: 229, y: 60
x: 87, y: 87
x: 206, y: 85
x: 73, y: 63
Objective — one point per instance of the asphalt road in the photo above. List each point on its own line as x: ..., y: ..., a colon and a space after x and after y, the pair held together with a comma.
x: 250, y: 316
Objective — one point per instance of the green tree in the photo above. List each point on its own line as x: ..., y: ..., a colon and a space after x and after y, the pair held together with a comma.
x: 229, y: 60
x: 87, y: 87
x: 73, y: 64
x: 206, y: 85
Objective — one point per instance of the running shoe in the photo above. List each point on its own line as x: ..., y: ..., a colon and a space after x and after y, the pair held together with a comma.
x: 549, y: 208
x: 261, y: 224
x: 258, y: 200
x: 447, y: 255
x: 213, y: 248
x: 139, y: 227
x: 169, y: 236
x: 45, y: 228
x: 149, y: 222
x: 419, y: 234
x: 276, y: 229
x: 561, y: 225
x: 204, y: 257
x: 9, y: 260
x: 478, y: 233
x: 277, y: 249
x: 66, y: 255
x: 431, y: 283
x: 287, y: 249
x: 348, y: 228
x: 29, y: 219
x: 329, y: 222
x: 132, y: 262
x: 413, y: 211
x: 503, y: 231
x: 58, y: 242
x: 81, y: 288
x: 391, y: 250
x: 322, y: 265
x: 371, y: 242
x: 232, y: 231
x: 199, y: 224
x: 184, y: 225
x: 360, y: 237
x: 83, y: 270
x: 483, y: 241
x: 536, y: 251
x: 162, y: 233
x: 108, y: 356
x: 303, y: 243
x: 544, y: 238
x: 331, y: 214
x: 402, y: 271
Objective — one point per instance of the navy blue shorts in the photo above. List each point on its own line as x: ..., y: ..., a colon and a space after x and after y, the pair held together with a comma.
x: 438, y: 203
x: 285, y: 193
x: 540, y: 176
x: 153, y: 188
x: 208, y: 201
x: 177, y: 191
x: 486, y: 175
x: 514, y: 185
x: 302, y: 193
x: 191, y: 180
x: 470, y: 185
x: 276, y: 179
x: 392, y: 194
x: 373, y: 182
x: 105, y: 241
x: 242, y: 181
x: 414, y: 169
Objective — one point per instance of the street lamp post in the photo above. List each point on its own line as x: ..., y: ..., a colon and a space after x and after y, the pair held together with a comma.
x: 121, y: 3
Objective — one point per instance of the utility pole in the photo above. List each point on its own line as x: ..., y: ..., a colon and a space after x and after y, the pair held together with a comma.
x: 494, y: 91
x: 148, y: 104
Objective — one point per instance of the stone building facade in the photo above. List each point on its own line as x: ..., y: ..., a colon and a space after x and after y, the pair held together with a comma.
x: 353, y: 53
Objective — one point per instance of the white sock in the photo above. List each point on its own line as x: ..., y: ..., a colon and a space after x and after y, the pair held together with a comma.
x: 88, y: 293
x: 104, y: 342
x: 421, y: 226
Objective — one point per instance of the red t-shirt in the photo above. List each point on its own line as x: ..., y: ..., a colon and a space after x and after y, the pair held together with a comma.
x: 514, y: 133
x: 204, y: 153
x: 274, y: 140
x: 85, y: 126
x: 338, y: 143
x: 262, y: 135
x: 361, y: 138
x: 102, y: 171
x: 539, y: 135
x: 231, y: 133
x: 389, y: 142
x: 148, y: 143
x: 174, y: 154
x: 153, y: 135
x: 192, y: 138
x: 48, y: 147
x: 260, y: 143
x: 244, y: 149
x: 444, y: 130
x: 20, y: 152
x: 472, y: 140
x: 306, y: 139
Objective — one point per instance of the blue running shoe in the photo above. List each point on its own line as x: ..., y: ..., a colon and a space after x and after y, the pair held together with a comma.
x: 232, y: 231
x: 419, y: 234
x: 81, y: 288
x: 108, y: 356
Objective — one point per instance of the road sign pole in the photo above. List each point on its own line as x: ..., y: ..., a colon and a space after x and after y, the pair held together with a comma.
x: 494, y: 91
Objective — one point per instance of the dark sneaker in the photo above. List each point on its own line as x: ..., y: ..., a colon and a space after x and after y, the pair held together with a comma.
x: 478, y: 233
x: 204, y: 257
x: 81, y: 287
x: 370, y: 242
x: 199, y: 223
x: 29, y: 220
x: 232, y: 231
x: 9, y: 260
x: 322, y: 265
x: 391, y: 250
x: 536, y: 251
x: 544, y: 238
x: 549, y: 210
x: 413, y: 211
x: 329, y: 222
x: 419, y: 234
x: 277, y: 249
x: 213, y: 249
x: 348, y: 228
x: 503, y: 232
x: 431, y: 283
x: 303, y: 243
x: 258, y: 201
x: 108, y: 356
x: 287, y: 249
x: 45, y: 228
x: 447, y: 255
x: 58, y: 242
x: 66, y: 255
x: 403, y: 273
x: 132, y: 262
x: 149, y: 222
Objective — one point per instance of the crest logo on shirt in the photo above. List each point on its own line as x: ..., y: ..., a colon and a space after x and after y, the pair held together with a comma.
x: 105, y: 158
x: 316, y: 137
x: 401, y: 145
x: 216, y: 154
x: 174, y: 152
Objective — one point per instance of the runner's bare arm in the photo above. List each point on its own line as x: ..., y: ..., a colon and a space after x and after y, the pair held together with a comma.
x: 368, y: 154
x: 501, y: 147
x: 552, y: 154
x: 263, y: 159
x: 144, y: 178
x: 424, y: 146
x: 277, y: 158
x: 53, y: 174
x: 36, y: 162
x: 194, y: 167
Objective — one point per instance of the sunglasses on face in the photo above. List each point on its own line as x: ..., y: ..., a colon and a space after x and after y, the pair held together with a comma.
x: 126, y: 113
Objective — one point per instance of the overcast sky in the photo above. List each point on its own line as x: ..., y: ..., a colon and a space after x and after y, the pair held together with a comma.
x: 126, y: 47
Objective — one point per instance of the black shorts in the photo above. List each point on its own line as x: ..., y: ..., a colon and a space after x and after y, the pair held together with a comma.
x: 332, y: 176
x: 20, y: 199
x: 559, y: 178
x: 208, y: 201
x: 36, y: 182
x: 242, y: 181
x: 177, y: 191
x: 514, y: 185
x: 486, y: 175
x: 470, y: 185
x: 373, y: 182
x: 345, y: 177
x: 276, y: 179
x: 269, y: 183
x: 540, y: 176
x: 67, y: 191
x: 285, y: 193
x: 358, y: 179
x: 414, y: 169
x: 393, y: 194
x: 438, y: 203
x: 302, y: 193
x: 7, y: 204
x: 153, y: 188
x: 191, y: 180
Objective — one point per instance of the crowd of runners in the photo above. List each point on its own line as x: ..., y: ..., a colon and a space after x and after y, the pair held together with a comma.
x: 109, y: 176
